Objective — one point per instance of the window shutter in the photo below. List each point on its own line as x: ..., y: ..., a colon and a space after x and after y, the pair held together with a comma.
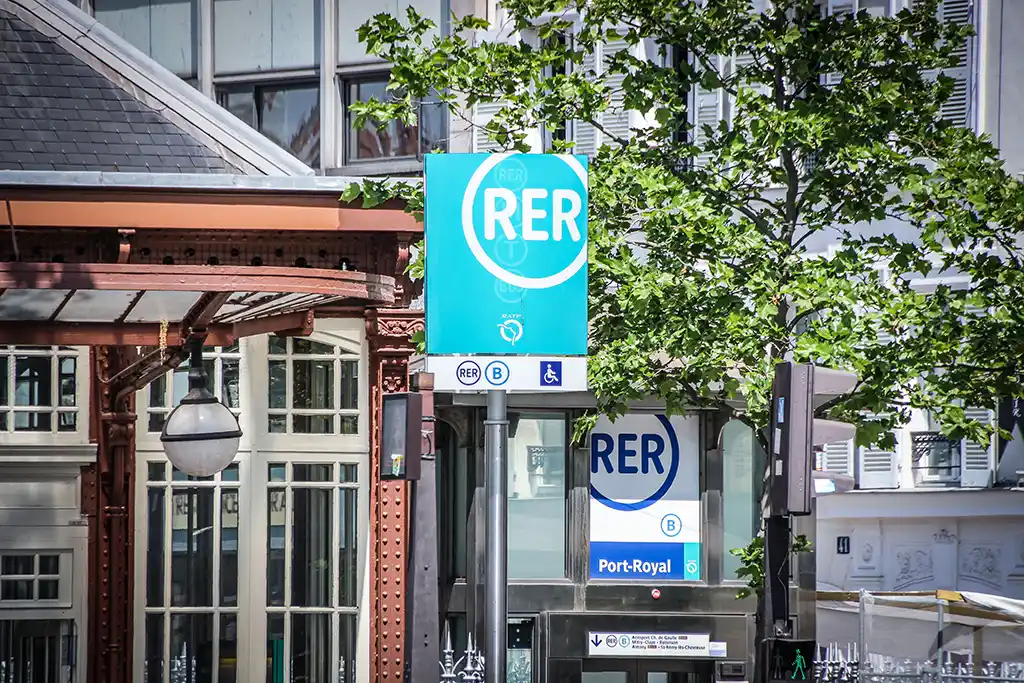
x: 584, y: 134
x: 838, y: 457
x: 616, y: 117
x: 485, y: 111
x: 977, y: 464
x: 707, y: 108
x: 843, y: 9
x: 957, y: 108
x: 877, y: 468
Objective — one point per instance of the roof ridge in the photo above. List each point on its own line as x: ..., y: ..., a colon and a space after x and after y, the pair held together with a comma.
x: 147, y: 81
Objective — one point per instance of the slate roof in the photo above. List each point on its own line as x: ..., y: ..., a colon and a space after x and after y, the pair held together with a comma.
x: 76, y: 97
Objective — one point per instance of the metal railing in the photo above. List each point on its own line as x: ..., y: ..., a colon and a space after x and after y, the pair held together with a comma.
x: 37, y: 651
x: 942, y: 637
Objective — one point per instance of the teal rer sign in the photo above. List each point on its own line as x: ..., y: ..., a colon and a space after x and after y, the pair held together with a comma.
x: 506, y: 261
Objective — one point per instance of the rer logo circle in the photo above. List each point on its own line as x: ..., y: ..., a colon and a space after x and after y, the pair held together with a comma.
x: 647, y: 451
x: 468, y: 373
x: 497, y: 373
x: 515, y: 211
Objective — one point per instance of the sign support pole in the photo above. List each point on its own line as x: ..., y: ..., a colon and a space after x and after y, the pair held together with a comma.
x: 496, y: 581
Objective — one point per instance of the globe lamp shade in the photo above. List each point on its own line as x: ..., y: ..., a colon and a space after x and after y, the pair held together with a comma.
x: 201, y: 435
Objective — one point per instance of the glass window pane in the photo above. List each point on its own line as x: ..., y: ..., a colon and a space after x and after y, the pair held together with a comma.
x: 276, y: 472
x: 304, y: 346
x: 49, y: 589
x: 33, y: 381
x: 179, y: 384
x: 228, y: 648
x: 256, y: 36
x: 49, y: 565
x: 18, y: 565
x: 277, y: 424
x: 311, y: 647
x: 230, y: 473
x: 311, y: 547
x: 277, y: 344
x: 291, y: 118
x: 4, y: 369
x: 32, y: 422
x: 311, y: 472
x: 192, y: 647
x: 155, y: 548
x: 743, y: 464
x: 349, y: 473
x: 536, y: 491
x: 347, y: 646
x: 313, y: 384
x: 275, y: 648
x: 349, y: 424
x: 192, y: 548
x: 385, y: 139
x: 20, y: 589
x: 156, y: 422
x: 348, y: 566
x: 277, y: 387
x: 165, y: 30
x: 67, y: 422
x: 68, y: 382
x: 157, y: 471
x: 229, y: 548
x: 154, y: 666
x: 349, y: 385
x: 275, y: 546
x: 312, y: 424
x: 433, y: 115
x: 158, y: 392
x: 229, y: 383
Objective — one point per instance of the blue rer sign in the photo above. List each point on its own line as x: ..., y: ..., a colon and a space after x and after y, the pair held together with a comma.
x: 645, y: 499
x: 506, y: 262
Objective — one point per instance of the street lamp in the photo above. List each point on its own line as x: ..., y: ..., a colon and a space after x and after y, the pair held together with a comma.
x: 201, y: 435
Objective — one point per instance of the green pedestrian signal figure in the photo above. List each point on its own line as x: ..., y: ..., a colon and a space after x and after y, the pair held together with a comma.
x: 799, y: 666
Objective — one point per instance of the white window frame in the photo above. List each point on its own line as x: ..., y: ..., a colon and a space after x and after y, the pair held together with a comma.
x: 64, y: 577
x: 344, y: 351
x: 81, y: 409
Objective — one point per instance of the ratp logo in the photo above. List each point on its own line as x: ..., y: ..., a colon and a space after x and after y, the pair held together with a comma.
x: 540, y: 214
x: 511, y: 330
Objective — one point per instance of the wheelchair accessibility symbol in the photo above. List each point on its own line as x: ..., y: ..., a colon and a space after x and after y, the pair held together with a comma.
x: 671, y: 525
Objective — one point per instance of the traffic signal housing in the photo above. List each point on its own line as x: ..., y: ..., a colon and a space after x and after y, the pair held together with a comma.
x: 797, y: 389
x: 789, y: 661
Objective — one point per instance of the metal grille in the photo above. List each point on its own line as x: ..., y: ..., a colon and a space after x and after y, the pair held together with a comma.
x: 37, y: 651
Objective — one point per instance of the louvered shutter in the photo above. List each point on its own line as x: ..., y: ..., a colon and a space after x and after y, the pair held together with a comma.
x: 877, y: 468
x: 842, y: 9
x: 838, y: 457
x: 485, y: 111
x: 957, y: 108
x: 584, y: 134
x: 616, y: 118
x: 978, y: 462
x: 739, y: 61
x: 707, y: 108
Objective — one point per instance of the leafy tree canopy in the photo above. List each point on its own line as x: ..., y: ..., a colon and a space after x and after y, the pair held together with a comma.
x: 704, y: 274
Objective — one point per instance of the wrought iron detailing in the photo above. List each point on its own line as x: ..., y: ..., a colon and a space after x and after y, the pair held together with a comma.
x: 469, y: 667
x: 841, y: 663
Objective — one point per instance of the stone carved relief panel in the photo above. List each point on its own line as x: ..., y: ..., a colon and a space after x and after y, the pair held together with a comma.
x: 913, y: 565
x: 981, y: 564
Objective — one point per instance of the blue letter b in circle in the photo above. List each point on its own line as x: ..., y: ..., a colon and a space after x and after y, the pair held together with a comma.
x: 671, y: 525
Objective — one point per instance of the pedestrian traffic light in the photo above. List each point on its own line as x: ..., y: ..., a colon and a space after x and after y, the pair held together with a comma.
x: 789, y: 661
x: 795, y: 432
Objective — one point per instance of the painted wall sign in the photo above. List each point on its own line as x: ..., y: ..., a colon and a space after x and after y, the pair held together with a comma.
x: 645, y: 499
x: 506, y: 261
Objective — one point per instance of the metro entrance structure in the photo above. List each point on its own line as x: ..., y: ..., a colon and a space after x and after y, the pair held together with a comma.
x: 137, y: 268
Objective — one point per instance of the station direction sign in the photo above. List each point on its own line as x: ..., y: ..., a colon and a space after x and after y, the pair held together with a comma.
x: 506, y: 267
x: 532, y: 374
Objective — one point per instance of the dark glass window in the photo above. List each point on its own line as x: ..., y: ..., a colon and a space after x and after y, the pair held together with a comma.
x: 393, y: 139
x: 288, y: 114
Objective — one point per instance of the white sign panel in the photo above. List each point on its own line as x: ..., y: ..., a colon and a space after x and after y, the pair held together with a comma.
x: 534, y: 374
x: 648, y: 644
x: 645, y: 498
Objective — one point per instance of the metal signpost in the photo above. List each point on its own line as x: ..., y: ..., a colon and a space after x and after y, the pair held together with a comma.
x: 506, y: 307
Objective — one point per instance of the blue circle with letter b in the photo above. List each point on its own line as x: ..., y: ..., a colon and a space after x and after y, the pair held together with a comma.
x: 671, y: 525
